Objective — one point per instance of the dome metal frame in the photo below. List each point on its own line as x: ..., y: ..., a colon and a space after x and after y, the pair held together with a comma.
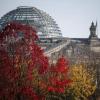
x: 44, y: 24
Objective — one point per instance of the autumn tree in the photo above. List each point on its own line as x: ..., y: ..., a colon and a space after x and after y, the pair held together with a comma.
x: 19, y: 55
x: 56, y: 81
x: 83, y: 84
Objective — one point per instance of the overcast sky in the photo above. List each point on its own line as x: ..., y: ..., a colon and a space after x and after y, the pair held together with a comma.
x: 73, y: 16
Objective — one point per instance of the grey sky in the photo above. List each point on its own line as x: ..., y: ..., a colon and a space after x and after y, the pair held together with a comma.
x: 73, y: 16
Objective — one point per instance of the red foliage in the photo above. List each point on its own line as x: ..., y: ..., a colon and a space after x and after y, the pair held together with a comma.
x: 56, y: 90
x: 18, y: 57
x: 59, y: 76
x: 8, y: 77
x: 28, y: 91
x: 12, y: 29
x: 62, y: 65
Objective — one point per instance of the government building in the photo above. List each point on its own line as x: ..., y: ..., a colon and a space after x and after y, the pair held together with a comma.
x: 77, y: 50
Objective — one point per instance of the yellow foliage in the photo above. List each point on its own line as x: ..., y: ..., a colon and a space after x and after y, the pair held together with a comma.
x: 83, y: 84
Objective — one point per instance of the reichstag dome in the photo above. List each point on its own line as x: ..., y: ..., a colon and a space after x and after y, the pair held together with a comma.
x: 44, y: 24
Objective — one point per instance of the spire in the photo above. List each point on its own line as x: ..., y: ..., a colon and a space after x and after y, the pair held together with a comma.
x: 93, y: 30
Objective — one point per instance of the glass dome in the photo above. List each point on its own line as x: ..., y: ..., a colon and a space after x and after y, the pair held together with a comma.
x: 44, y: 24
